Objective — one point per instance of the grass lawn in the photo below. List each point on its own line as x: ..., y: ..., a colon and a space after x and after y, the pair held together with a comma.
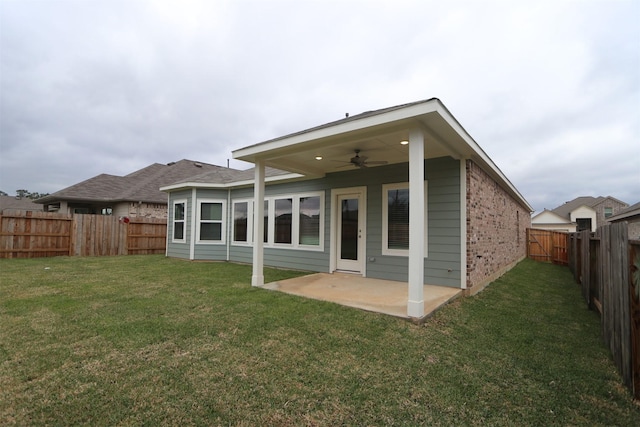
x: 146, y: 340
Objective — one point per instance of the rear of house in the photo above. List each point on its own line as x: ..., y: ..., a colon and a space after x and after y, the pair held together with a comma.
x: 334, y: 213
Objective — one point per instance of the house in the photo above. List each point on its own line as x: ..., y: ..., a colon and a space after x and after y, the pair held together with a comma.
x: 134, y: 195
x: 402, y: 193
x: 632, y: 216
x: 582, y: 213
x: 18, y: 203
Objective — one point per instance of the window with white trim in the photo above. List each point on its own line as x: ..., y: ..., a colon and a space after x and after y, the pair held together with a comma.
x: 290, y: 221
x: 395, y: 219
x: 179, y: 224
x: 241, y: 223
x: 309, y: 221
x: 210, y: 221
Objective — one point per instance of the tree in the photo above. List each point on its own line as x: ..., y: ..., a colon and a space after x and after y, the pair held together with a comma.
x: 26, y: 194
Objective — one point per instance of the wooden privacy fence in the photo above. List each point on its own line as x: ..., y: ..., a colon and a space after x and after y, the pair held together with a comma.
x: 547, y: 246
x: 25, y: 234
x: 607, y: 266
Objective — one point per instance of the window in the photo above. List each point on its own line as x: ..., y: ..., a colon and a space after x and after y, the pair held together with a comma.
x: 608, y: 212
x: 395, y: 219
x: 210, y: 221
x: 240, y: 221
x: 283, y: 220
x: 583, y: 224
x: 292, y: 221
x: 309, y: 220
x: 265, y: 238
x: 179, y: 213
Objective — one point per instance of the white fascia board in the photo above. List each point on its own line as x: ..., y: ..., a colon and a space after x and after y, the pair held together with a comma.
x: 248, y: 182
x: 478, y: 151
x: 260, y: 149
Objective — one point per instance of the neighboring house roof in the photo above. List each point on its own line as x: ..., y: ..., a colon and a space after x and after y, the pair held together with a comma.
x: 549, y: 217
x: 139, y: 186
x: 570, y: 206
x: 632, y: 212
x: 23, y: 203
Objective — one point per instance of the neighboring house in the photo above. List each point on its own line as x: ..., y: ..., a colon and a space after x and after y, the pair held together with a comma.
x: 403, y: 193
x: 18, y: 203
x: 582, y: 213
x: 133, y: 195
x: 632, y: 216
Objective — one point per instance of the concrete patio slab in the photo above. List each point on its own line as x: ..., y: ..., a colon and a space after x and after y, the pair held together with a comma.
x: 381, y: 296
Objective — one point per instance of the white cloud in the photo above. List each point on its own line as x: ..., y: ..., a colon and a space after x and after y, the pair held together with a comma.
x: 93, y: 87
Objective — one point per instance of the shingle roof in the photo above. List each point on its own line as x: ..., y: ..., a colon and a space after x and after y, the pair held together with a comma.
x: 345, y: 120
x: 566, y: 209
x: 227, y: 176
x: 24, y: 204
x: 142, y: 185
x: 630, y: 212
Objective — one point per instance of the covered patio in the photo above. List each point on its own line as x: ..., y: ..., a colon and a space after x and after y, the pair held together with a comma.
x: 380, y: 296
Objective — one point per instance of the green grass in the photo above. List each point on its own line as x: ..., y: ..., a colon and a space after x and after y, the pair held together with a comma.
x: 146, y: 340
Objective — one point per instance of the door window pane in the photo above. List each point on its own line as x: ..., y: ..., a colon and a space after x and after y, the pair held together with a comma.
x: 349, y: 229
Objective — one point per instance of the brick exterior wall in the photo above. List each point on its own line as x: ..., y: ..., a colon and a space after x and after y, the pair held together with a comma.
x: 148, y: 210
x: 496, y: 229
x: 610, y: 202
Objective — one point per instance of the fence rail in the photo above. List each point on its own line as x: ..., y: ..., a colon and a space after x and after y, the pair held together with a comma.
x: 607, y: 266
x: 548, y: 246
x: 25, y: 234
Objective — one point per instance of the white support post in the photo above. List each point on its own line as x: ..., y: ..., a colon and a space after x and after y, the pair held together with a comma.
x: 415, y: 303
x: 257, y: 279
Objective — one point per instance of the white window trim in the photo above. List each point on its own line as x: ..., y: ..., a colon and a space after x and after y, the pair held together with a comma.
x: 385, y: 218
x: 223, y: 222
x: 295, y: 222
x: 184, y: 221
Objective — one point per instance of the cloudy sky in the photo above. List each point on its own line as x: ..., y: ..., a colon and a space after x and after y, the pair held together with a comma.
x: 549, y: 89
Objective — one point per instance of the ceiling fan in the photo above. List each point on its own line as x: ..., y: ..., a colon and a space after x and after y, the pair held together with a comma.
x: 361, y: 161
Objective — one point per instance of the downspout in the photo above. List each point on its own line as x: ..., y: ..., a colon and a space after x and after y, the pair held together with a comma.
x: 229, y: 221
x: 463, y: 224
x: 194, y: 208
x: 166, y: 246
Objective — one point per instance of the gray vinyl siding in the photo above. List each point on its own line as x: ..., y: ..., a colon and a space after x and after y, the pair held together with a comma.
x: 443, y: 225
x: 179, y: 250
x: 282, y: 257
x: 442, y: 264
